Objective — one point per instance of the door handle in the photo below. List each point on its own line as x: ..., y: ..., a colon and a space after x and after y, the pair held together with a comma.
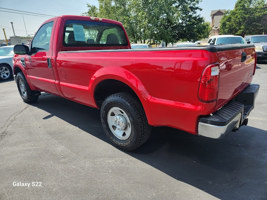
x: 49, y: 63
x: 243, y: 56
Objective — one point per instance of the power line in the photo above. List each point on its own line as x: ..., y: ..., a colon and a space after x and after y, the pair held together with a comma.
x: 8, y: 10
x: 28, y: 12
x: 22, y: 13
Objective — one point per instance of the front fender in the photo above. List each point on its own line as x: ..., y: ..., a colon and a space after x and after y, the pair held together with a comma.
x: 18, y: 67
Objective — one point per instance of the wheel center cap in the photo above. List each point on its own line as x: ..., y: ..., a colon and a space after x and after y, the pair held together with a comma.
x: 120, y: 122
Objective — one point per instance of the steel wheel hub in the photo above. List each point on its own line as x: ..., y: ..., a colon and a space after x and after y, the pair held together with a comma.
x: 22, y: 88
x: 119, y: 123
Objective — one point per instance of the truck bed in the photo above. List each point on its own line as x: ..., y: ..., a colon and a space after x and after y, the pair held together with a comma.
x: 154, y: 71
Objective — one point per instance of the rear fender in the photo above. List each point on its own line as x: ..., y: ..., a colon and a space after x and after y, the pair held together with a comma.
x: 124, y: 76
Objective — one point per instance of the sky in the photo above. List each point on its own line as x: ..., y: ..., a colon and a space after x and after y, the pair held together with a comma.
x: 28, y: 25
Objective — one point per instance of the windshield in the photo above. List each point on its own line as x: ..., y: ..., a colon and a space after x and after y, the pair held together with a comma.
x: 6, y: 51
x: 230, y: 40
x: 259, y: 39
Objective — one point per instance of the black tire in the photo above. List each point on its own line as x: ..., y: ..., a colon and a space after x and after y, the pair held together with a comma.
x: 5, y: 72
x: 28, y: 95
x: 137, y: 130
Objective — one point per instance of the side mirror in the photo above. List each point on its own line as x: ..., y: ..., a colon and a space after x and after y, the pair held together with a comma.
x: 248, y: 42
x: 21, y: 49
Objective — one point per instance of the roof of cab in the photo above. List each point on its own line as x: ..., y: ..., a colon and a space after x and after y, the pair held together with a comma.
x: 86, y: 18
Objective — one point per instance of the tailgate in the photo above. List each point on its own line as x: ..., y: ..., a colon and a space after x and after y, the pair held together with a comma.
x: 236, y: 71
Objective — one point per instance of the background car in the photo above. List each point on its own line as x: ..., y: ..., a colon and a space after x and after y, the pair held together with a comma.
x: 260, y: 42
x: 226, y: 39
x: 186, y: 44
x: 140, y: 46
x: 6, y: 64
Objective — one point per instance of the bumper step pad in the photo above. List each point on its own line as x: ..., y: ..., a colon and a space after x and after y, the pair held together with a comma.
x: 224, y: 115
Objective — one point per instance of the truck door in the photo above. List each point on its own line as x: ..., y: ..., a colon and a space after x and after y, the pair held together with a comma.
x: 40, y: 70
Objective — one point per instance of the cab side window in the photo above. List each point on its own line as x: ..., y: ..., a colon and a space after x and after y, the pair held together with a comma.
x: 41, y: 40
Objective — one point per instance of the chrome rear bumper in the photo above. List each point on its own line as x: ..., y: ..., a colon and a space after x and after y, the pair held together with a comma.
x: 216, y: 132
x: 231, y: 116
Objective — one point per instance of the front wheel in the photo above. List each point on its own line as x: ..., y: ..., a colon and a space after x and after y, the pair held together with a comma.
x: 28, y: 95
x: 124, y: 121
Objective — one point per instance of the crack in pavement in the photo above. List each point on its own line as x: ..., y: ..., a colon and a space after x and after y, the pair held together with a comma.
x: 9, y: 121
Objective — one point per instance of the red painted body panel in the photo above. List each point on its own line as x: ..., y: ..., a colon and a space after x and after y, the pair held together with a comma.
x: 234, y: 74
x: 165, y: 80
x: 161, y: 80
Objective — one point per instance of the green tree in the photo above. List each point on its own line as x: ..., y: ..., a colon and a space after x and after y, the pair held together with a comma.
x: 245, y: 19
x: 92, y: 11
x: 167, y: 20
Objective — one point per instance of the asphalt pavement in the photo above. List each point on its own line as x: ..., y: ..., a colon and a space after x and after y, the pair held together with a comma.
x: 56, y: 149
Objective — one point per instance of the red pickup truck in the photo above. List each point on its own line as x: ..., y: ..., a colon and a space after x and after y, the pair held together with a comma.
x: 202, y: 90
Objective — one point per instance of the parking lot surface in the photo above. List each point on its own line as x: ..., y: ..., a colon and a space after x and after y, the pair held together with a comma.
x: 56, y: 149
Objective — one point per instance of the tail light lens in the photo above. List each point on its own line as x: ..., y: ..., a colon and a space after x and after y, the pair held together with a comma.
x: 208, y: 87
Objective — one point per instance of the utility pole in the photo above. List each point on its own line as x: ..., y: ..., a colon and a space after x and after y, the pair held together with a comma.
x: 13, y: 28
x: 5, y: 36
x: 25, y: 26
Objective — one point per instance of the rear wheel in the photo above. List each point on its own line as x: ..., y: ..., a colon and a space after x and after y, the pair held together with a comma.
x: 28, y: 95
x: 5, y: 72
x: 124, y: 121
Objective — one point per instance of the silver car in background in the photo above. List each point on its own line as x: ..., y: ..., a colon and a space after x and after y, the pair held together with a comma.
x: 140, y: 46
x: 260, y: 42
x: 226, y: 39
x: 6, y: 63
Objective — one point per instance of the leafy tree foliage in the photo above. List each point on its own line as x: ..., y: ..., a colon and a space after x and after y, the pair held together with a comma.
x: 245, y: 19
x: 157, y: 20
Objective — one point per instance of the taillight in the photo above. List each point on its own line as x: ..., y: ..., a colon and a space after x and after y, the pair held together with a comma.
x: 208, y: 87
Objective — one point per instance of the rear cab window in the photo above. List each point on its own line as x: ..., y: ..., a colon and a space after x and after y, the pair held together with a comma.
x: 78, y: 33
